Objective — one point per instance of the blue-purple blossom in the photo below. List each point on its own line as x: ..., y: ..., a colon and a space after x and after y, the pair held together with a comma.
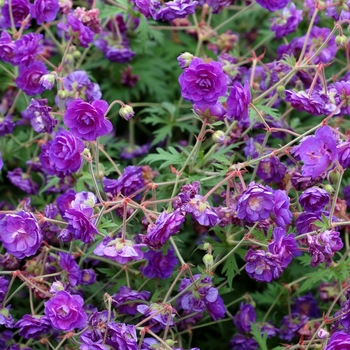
x: 7, y: 47
x: 290, y: 325
x: 244, y: 317
x: 33, y: 326
x: 6, y: 318
x: 122, y: 336
x: 271, y: 170
x: 238, y: 102
x: 23, y: 181
x: 203, y: 83
x: 314, y: 199
x: 20, y: 10
x: 243, y: 342
x: 176, y: 9
x: 70, y: 267
x: 302, y: 101
x: 44, y: 10
x: 272, y: 5
x: 306, y: 305
x: 3, y: 287
x: 27, y: 48
x: 161, y: 315
x: 339, y: 340
x: 281, y: 213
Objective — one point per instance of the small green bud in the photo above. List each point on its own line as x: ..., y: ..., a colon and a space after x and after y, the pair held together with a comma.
x: 185, y: 59
x: 126, y: 112
x: 69, y: 59
x: 170, y: 342
x: 280, y: 90
x: 76, y: 54
x: 62, y: 94
x: 345, y: 7
x: 208, y: 261
x: 4, y: 312
x: 87, y: 153
x: 333, y: 176
x: 230, y: 240
x: 340, y: 40
x: 206, y: 246
x: 329, y: 189
x: 219, y: 137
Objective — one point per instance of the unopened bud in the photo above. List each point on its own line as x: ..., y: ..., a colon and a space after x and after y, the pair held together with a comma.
x: 219, y: 137
x: 62, y: 94
x: 87, y: 153
x: 47, y: 81
x: 345, y: 7
x: 333, y: 176
x: 340, y: 40
x: 170, y: 342
x: 69, y: 59
x: 185, y: 59
x: 322, y: 333
x: 206, y: 246
x: 280, y: 90
x: 208, y: 261
x: 76, y: 54
x: 126, y: 112
x: 329, y: 189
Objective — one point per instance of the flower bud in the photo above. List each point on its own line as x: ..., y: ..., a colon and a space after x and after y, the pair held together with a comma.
x: 76, y: 54
x: 219, y: 137
x: 333, y: 176
x: 170, y: 342
x: 47, y: 81
x: 208, y: 261
x: 62, y: 94
x: 322, y: 333
x: 69, y: 59
x: 185, y: 59
x: 206, y: 246
x: 280, y: 90
x: 345, y: 7
x: 340, y: 40
x: 126, y: 112
x: 330, y: 190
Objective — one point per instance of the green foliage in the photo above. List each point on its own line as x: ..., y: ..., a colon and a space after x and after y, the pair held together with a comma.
x: 173, y: 157
x: 260, y: 339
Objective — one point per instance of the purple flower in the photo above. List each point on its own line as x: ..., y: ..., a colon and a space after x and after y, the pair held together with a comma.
x: 291, y: 324
x: 203, y: 83
x: 7, y: 47
x: 29, y: 78
x: 130, y: 182
x: 281, y: 212
x: 80, y: 225
x: 159, y: 265
x: 161, y: 315
x: 338, y: 341
x: 210, y: 112
x: 305, y: 222
x: 243, y: 342
x: 148, y: 8
x: 22, y: 181
x: 121, y: 300
x: 87, y: 277
x: 284, y: 246
x: 87, y: 120
x: 343, y: 91
x: 33, y: 326
x: 263, y: 266
x: 218, y: 5
x: 65, y: 311
x: 27, y: 48
x: 64, y: 201
x: 271, y: 170
x: 176, y: 9
x: 244, y: 317
x: 20, y: 234
x: 318, y: 152
x: 302, y: 101
x: 306, y: 305
x: 272, y: 5
x: 344, y: 154
x: 166, y: 225
x: 314, y: 199
x: 318, y: 37
x: 255, y: 204
x: 20, y: 10
x: 288, y: 23
x: 238, y: 102
x: 7, y: 125
x: 85, y: 202
x: 3, y: 287
x: 72, y: 269
x: 122, y: 336
x: 44, y: 10
x: 39, y: 114
x: 6, y: 318
x: 74, y: 27
x: 122, y: 251
x: 323, y: 246
x: 62, y: 155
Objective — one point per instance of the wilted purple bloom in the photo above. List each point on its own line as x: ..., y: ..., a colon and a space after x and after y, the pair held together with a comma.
x: 27, y: 48
x: 238, y: 102
x: 33, y: 326
x: 20, y: 10
x: 281, y: 212
x: 80, y: 225
x: 244, y: 317
x: 148, y: 8
x: 317, y: 39
x: 122, y: 300
x: 251, y: 146
x: 263, y: 266
x: 122, y: 251
x: 166, y: 225
x: 121, y: 53
x: 83, y: 34
x: 284, y: 246
x: 210, y: 112
x: 243, y: 342
x: 302, y: 101
x: 7, y: 47
x: 343, y: 92
x: 344, y: 154
x: 288, y: 23
x: 271, y: 170
x: 134, y: 151
x: 272, y: 5
x: 339, y: 340
x: 216, y: 309
x: 22, y: 181
x: 301, y: 182
x: 323, y: 246
x: 122, y: 336
x: 87, y: 120
x: 71, y: 268
x: 187, y: 193
x: 29, y: 78
x: 291, y: 324
x: 305, y: 222
x: 203, y: 83
x: 44, y: 10
x: 62, y: 155
x: 6, y: 318
x: 65, y: 311
x: 159, y: 264
x: 176, y: 9
x: 255, y: 204
x: 314, y: 199
x: 20, y: 234
x: 39, y: 114
x: 3, y: 287
x: 318, y: 152
x: 306, y: 305
x: 218, y: 5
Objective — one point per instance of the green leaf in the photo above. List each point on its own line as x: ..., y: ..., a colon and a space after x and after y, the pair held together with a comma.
x: 167, y: 158
x: 230, y: 269
x: 108, y: 11
x: 53, y: 181
x: 312, y: 279
x: 260, y: 339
